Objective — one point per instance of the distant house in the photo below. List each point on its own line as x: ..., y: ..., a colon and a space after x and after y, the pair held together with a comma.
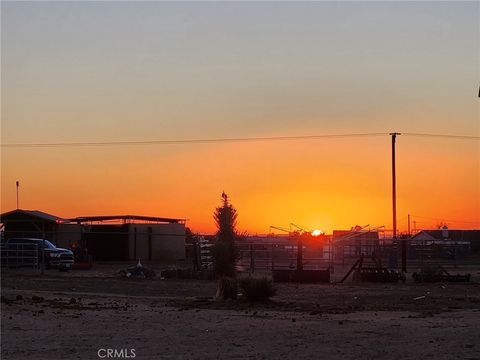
x: 107, y: 238
x: 449, y: 238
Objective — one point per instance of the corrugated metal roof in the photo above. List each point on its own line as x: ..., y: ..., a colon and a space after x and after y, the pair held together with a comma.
x: 125, y: 218
x: 81, y: 219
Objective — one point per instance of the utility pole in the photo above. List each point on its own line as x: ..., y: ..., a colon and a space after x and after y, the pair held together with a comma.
x: 17, y: 183
x: 409, y: 234
x: 394, y: 204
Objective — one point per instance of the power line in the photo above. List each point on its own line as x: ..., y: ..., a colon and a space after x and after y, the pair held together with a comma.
x: 448, y: 220
x: 449, y: 136
x: 190, y: 141
x: 226, y: 140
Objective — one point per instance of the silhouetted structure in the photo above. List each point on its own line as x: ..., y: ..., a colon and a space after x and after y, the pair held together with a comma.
x: 353, y: 243
x: 130, y: 237
x: 446, y: 238
x: 107, y: 238
x: 30, y: 223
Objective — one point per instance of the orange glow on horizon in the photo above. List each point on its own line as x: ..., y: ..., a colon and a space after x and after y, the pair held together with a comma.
x: 241, y: 71
x: 276, y: 188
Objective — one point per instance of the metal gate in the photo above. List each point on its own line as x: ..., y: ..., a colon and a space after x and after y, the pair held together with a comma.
x: 19, y: 255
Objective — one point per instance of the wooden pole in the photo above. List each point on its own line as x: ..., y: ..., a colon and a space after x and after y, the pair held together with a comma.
x: 394, y: 205
x: 409, y: 233
x: 17, y: 183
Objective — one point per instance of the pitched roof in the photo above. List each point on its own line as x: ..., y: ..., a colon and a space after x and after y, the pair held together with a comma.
x: 34, y: 213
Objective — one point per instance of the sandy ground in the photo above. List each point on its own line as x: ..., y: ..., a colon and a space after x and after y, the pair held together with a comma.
x: 72, y: 316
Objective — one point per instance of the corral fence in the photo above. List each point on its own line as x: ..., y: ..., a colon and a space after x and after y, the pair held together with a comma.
x: 254, y: 257
x: 20, y: 255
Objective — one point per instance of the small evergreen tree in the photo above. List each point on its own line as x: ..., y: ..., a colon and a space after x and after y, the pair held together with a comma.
x: 224, y: 251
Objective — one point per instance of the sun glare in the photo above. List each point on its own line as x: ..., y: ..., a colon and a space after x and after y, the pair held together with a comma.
x: 316, y: 232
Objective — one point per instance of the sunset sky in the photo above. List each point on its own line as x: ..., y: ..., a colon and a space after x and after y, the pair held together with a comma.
x: 135, y: 71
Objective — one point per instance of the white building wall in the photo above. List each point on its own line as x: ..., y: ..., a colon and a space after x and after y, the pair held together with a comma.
x: 138, y: 242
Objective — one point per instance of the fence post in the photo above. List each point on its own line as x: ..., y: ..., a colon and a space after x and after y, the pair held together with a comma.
x: 252, y: 260
x: 299, y: 253
x: 42, y: 261
x: 273, y: 260
x: 42, y: 268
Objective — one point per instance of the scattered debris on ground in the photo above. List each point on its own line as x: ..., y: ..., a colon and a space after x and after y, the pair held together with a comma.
x: 438, y: 274
x: 138, y: 271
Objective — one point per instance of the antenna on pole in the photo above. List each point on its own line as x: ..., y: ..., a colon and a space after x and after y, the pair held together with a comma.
x: 17, y: 184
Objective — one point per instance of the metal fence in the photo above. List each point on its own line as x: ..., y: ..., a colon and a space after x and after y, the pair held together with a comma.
x: 252, y: 257
x: 266, y: 255
x: 19, y: 255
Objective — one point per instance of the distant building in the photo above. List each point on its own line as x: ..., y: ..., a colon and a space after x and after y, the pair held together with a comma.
x: 448, y: 238
x: 107, y: 238
x: 355, y: 242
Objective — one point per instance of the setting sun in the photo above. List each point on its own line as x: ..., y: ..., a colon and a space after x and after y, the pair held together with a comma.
x: 239, y: 179
x: 317, y: 232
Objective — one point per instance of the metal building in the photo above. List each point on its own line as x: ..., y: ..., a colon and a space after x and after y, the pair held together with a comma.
x: 107, y: 238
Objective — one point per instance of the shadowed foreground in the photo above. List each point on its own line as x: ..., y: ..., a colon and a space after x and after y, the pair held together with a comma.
x: 67, y: 316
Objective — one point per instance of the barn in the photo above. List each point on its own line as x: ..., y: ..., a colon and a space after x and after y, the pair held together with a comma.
x: 130, y: 237
x: 107, y: 238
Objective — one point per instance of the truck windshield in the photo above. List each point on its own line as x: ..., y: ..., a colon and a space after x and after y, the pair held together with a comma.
x: 48, y: 245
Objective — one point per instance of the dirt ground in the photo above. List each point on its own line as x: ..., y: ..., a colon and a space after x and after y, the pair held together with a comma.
x: 74, y: 315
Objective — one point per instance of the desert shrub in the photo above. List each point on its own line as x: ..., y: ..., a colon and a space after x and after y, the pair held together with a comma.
x: 257, y: 289
x: 227, y: 288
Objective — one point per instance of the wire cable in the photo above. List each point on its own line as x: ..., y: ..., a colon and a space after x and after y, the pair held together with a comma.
x: 447, y: 220
x: 226, y: 140
x: 449, y: 136
x: 189, y: 141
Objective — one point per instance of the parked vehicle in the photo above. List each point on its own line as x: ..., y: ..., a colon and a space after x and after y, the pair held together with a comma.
x: 18, y: 252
